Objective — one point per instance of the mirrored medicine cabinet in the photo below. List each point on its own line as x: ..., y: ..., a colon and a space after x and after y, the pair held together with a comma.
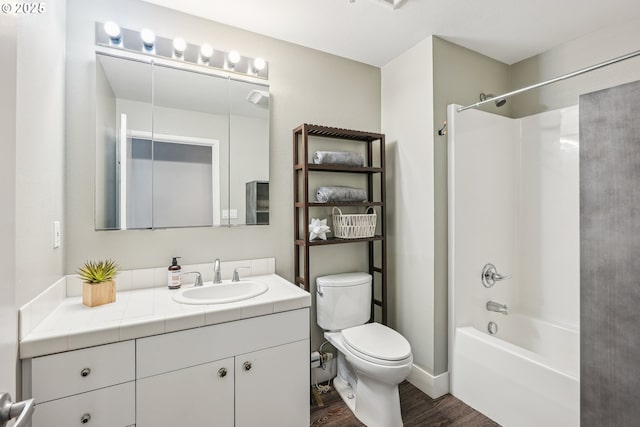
x: 178, y: 148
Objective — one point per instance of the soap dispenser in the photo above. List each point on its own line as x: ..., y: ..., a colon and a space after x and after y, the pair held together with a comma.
x: 174, y: 276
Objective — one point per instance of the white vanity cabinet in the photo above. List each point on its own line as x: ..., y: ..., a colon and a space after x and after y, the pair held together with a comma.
x: 93, y: 386
x: 244, y: 373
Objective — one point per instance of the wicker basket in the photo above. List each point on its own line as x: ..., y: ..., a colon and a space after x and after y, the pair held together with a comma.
x: 354, y: 226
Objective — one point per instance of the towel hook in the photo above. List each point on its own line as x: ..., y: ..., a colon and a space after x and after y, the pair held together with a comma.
x: 443, y: 129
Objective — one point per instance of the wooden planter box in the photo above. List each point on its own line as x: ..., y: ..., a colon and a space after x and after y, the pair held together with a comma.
x: 98, y: 293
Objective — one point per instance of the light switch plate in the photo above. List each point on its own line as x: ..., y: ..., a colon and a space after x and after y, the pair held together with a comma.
x: 56, y: 234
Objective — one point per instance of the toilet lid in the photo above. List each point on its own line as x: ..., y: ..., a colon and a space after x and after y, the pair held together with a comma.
x: 377, y: 341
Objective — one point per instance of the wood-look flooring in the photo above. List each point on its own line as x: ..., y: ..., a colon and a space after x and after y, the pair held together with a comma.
x: 418, y: 410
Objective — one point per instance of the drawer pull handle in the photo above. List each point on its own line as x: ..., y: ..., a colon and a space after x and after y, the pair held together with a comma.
x: 85, y: 372
x: 222, y: 372
x: 85, y: 418
x: 246, y: 366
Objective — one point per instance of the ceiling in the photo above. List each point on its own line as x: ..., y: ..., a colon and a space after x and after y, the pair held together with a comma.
x: 370, y: 31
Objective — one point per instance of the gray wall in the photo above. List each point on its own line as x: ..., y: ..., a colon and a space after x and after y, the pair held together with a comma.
x: 31, y: 168
x: 40, y: 150
x: 8, y: 312
x: 417, y: 182
x: 306, y: 86
x: 454, y: 83
x: 607, y: 43
x: 407, y: 108
x: 609, y: 250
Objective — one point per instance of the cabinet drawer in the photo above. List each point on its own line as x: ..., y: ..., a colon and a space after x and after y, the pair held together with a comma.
x: 61, y: 375
x: 107, y: 407
x: 178, y: 350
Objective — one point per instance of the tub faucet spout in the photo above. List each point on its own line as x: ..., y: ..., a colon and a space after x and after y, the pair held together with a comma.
x: 498, y: 308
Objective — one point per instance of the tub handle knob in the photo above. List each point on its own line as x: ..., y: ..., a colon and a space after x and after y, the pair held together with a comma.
x: 490, y: 275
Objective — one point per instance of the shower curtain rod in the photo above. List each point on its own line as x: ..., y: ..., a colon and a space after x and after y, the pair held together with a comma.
x: 556, y: 79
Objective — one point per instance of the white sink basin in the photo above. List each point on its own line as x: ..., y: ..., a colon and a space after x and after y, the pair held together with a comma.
x: 221, y: 294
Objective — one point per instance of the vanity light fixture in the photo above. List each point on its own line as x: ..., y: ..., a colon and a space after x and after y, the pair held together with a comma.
x: 179, y: 46
x: 206, y: 52
x: 111, y: 35
x: 148, y: 40
x: 233, y: 58
x: 113, y: 31
x: 258, y: 65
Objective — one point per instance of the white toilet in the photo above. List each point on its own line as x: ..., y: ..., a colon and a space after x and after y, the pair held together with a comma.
x: 372, y: 358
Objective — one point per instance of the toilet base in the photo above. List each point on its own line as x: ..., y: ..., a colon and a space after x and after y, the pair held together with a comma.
x: 346, y: 393
x: 379, y: 404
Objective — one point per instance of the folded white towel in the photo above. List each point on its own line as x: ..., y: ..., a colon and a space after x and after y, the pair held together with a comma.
x: 345, y: 158
x: 341, y: 194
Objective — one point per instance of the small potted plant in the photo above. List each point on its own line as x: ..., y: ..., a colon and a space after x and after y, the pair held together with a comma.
x: 98, y: 287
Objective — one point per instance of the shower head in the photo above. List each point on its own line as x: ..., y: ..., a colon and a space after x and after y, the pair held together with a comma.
x: 499, y: 102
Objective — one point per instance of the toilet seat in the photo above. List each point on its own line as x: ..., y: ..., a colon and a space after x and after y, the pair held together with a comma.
x: 377, y: 344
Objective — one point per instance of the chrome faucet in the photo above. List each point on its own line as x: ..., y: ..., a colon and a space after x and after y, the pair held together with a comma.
x: 217, y: 277
x: 498, y: 308
x: 236, y: 276
x: 198, y: 281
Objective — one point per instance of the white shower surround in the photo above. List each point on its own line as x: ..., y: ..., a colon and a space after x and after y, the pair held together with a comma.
x: 514, y: 202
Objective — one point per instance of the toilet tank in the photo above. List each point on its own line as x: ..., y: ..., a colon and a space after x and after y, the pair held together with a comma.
x: 343, y: 300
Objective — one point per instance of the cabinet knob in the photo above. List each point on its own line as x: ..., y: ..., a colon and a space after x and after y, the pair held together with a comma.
x: 85, y: 418
x: 246, y: 366
x: 222, y: 372
x: 85, y: 372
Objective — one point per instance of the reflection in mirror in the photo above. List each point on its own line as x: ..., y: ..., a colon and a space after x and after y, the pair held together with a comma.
x: 120, y: 84
x: 249, y: 134
x: 178, y: 148
x: 191, y: 166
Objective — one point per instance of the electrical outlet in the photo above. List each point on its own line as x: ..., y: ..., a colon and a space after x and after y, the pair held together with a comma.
x: 57, y: 235
x: 229, y: 213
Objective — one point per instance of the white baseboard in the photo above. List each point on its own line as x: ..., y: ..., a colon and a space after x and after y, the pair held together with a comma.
x: 434, y: 387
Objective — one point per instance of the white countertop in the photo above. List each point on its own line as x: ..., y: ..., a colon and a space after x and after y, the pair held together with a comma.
x: 145, y: 312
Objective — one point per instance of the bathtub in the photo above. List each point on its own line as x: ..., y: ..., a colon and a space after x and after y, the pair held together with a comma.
x: 526, y: 375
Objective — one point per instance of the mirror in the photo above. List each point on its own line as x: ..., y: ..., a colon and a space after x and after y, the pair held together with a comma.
x: 178, y: 148
x: 249, y: 153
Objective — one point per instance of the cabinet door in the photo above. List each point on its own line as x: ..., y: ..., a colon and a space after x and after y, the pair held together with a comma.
x: 272, y: 386
x: 107, y: 407
x: 197, y: 396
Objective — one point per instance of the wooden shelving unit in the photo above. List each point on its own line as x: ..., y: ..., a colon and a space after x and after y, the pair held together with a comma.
x: 301, y: 170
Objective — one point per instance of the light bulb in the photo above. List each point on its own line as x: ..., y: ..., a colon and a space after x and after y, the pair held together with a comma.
x: 206, y: 52
x: 148, y: 38
x: 113, y: 31
x: 179, y: 46
x: 259, y: 64
x: 234, y: 57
